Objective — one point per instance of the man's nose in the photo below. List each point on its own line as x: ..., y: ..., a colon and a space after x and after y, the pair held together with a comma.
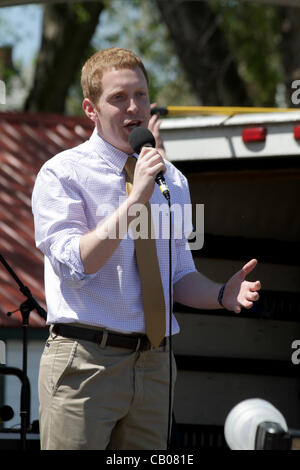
x: 132, y: 105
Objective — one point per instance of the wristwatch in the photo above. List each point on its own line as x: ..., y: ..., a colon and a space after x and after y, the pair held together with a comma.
x: 220, y: 296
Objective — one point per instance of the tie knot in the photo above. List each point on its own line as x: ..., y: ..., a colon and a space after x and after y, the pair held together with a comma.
x: 129, y: 167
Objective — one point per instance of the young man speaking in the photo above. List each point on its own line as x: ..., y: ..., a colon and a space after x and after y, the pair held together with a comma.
x: 104, y: 372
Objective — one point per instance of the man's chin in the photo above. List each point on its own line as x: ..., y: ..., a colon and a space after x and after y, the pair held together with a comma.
x: 124, y: 145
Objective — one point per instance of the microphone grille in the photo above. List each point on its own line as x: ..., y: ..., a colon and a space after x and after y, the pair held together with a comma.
x: 139, y: 137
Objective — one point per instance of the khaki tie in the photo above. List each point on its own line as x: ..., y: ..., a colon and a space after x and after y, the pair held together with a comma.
x: 148, y: 267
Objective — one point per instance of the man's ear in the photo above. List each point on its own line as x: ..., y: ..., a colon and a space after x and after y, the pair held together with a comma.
x: 89, y: 109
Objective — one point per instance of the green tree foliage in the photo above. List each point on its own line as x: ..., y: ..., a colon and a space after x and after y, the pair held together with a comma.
x: 8, y: 37
x: 204, y: 53
x: 136, y: 25
x: 67, y: 32
x: 253, y: 33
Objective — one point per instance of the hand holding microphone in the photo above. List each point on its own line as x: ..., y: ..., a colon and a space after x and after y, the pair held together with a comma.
x: 141, y: 137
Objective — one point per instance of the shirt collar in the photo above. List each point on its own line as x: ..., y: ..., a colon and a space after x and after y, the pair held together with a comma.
x: 114, y: 157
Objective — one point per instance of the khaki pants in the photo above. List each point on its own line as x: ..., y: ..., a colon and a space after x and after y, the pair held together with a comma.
x: 103, y: 398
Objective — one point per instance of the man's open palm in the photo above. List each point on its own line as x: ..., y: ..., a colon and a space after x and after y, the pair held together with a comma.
x: 240, y: 293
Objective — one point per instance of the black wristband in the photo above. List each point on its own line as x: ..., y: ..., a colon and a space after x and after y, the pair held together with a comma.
x: 220, y: 296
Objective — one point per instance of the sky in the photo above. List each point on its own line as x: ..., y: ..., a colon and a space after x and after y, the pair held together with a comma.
x: 21, y: 26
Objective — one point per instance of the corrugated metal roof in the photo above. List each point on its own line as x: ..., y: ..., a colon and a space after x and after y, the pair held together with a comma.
x: 26, y: 142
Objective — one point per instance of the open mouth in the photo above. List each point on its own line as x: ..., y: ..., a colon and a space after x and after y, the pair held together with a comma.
x: 130, y: 125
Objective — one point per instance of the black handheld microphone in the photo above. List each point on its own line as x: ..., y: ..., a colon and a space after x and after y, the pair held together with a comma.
x: 142, y: 137
x: 6, y: 413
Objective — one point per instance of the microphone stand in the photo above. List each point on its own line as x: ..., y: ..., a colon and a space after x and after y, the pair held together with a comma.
x: 25, y: 308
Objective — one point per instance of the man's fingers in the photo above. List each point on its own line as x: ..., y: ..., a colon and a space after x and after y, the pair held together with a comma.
x: 252, y: 296
x: 248, y: 267
x: 247, y: 304
x: 149, y: 157
x: 254, y: 286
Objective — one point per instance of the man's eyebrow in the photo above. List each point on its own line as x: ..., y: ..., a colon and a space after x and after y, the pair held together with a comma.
x: 123, y: 90
x: 115, y: 90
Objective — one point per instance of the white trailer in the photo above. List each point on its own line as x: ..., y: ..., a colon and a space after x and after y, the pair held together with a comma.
x: 245, y: 169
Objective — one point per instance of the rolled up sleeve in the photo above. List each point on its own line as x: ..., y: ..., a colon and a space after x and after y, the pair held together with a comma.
x: 184, y: 259
x: 60, y: 221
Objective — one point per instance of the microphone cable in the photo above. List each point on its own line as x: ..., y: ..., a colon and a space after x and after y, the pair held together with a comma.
x: 170, y: 329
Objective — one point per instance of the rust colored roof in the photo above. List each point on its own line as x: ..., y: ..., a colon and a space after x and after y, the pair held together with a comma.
x: 26, y: 142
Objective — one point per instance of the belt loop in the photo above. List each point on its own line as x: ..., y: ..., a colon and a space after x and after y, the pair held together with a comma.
x: 104, y: 339
x: 138, y: 344
x: 52, y: 333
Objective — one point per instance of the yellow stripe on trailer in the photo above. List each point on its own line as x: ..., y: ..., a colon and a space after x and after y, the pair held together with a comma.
x: 223, y: 110
x: 213, y: 110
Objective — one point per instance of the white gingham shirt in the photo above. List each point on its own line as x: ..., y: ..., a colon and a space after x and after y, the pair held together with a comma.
x: 71, y: 193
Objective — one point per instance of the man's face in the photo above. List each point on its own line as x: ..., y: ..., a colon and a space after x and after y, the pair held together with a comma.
x: 123, y: 105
